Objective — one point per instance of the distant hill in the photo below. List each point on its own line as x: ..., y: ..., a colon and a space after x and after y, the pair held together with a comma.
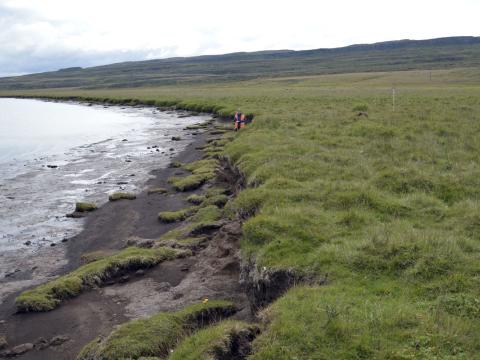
x: 385, y: 56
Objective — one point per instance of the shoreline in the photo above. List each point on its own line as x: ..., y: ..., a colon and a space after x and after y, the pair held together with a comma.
x: 108, y: 229
x: 36, y: 263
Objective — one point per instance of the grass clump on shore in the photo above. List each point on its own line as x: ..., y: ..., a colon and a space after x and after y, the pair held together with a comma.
x: 222, y: 341
x: 174, y: 216
x: 157, y: 191
x: 157, y: 335
x: 121, y: 196
x: 85, y: 207
x: 196, y: 199
x: 202, y: 171
x: 48, y: 296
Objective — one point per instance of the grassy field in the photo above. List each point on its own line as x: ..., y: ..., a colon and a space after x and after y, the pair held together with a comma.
x: 383, y: 203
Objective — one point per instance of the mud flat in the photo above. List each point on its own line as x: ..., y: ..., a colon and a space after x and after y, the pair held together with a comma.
x: 212, y: 271
x: 40, y: 184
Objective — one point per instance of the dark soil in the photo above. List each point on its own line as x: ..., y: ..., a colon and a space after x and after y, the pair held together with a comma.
x: 211, y: 273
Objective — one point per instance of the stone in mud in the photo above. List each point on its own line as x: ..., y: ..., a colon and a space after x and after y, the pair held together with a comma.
x: 163, y: 286
x: 140, y: 242
x: 177, y: 296
x: 59, y: 340
x: 41, y: 343
x: 184, y: 268
x: 52, y: 166
x: 140, y: 272
x: 75, y: 215
x: 3, y: 343
x: 27, y: 243
x: 233, y: 228
x: 21, y: 349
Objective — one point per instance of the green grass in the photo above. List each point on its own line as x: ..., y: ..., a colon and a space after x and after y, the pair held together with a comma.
x: 196, y: 199
x: 157, y: 191
x: 202, y: 171
x: 50, y: 295
x: 121, y: 196
x: 208, y: 199
x: 388, y: 206
x: 190, y: 233
x: 85, y: 207
x: 212, y: 342
x: 157, y: 335
x: 174, y: 216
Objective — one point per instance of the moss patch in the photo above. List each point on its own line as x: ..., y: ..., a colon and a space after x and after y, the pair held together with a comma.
x: 196, y: 199
x: 157, y: 335
x: 157, y: 191
x: 48, y: 296
x: 174, y: 216
x: 202, y: 171
x: 222, y: 341
x: 122, y: 196
x: 85, y: 207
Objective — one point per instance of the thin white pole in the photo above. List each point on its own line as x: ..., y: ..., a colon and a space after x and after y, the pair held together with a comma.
x: 393, y: 99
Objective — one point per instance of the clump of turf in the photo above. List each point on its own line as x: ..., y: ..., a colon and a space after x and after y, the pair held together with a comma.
x: 157, y: 191
x: 176, y: 164
x: 122, y: 196
x: 174, y: 216
x: 85, y: 207
x: 202, y: 171
x: 94, y: 256
x: 226, y: 340
x: 196, y: 199
x: 217, y: 200
x: 48, y: 296
x: 187, y: 183
x: 157, y: 335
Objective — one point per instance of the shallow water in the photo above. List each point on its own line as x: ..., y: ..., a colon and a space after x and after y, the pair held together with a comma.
x: 96, y: 150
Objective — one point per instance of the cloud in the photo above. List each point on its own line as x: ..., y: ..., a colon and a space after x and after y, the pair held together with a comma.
x: 46, y: 35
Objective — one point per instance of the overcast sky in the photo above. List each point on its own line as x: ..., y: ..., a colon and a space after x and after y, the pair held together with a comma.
x: 41, y: 35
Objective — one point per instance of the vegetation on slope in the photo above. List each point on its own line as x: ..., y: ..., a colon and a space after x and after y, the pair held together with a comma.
x: 48, y: 296
x: 155, y: 336
x: 386, y: 204
x: 227, y: 340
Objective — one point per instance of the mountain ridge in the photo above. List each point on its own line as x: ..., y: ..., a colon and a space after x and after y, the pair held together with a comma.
x: 405, y: 54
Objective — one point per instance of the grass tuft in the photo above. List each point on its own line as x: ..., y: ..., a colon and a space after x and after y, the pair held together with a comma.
x: 174, y: 216
x: 157, y: 335
x: 85, y: 207
x: 50, y: 295
x: 221, y: 341
x: 157, y: 191
x: 121, y: 196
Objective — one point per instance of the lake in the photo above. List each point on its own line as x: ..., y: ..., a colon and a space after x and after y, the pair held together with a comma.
x: 55, y: 154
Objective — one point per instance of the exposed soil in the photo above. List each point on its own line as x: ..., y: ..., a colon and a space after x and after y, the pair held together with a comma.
x: 212, y: 272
